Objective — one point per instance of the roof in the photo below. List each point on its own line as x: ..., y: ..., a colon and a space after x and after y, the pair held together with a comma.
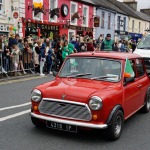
x: 88, y: 1
x: 131, y: 12
x: 112, y: 55
x: 108, y: 5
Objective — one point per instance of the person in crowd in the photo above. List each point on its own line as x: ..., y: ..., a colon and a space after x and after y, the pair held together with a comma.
x: 21, y: 47
x: 15, y: 58
x: 42, y: 57
x: 119, y: 45
x: 90, y: 46
x: 97, y: 47
x: 95, y: 44
x: 71, y: 48
x: 27, y: 55
x: 116, y: 47
x: 65, y: 51
x: 49, y: 61
x: 107, y: 44
x: 7, y: 53
x: 133, y: 45
x: 12, y: 41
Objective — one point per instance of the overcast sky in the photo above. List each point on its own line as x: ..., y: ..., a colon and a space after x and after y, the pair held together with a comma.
x: 142, y: 4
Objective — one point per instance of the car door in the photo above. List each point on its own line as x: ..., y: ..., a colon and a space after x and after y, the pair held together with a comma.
x: 132, y: 94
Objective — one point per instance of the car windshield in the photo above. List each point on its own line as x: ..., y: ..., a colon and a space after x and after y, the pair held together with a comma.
x: 144, y: 43
x: 91, y: 68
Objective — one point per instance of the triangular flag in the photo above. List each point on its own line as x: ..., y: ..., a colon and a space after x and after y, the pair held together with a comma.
x: 128, y: 68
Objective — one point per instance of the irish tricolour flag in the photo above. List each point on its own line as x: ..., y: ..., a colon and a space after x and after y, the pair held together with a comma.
x: 128, y: 69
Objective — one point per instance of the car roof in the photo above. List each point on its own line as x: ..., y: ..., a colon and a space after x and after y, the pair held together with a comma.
x: 112, y: 55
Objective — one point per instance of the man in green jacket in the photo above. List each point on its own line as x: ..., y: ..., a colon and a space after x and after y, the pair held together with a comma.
x: 107, y: 44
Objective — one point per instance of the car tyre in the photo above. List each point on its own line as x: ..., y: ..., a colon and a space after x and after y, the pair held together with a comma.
x: 37, y: 122
x: 146, y: 107
x: 115, y: 128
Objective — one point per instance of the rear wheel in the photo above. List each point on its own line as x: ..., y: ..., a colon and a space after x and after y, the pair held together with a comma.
x: 37, y: 122
x: 115, y: 129
x: 146, y: 107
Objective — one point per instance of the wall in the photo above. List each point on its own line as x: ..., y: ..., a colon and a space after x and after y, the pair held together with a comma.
x: 144, y: 25
x: 105, y: 30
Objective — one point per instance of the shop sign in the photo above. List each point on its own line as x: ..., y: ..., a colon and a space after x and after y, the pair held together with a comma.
x: 15, y: 15
x: 96, y: 21
x: 79, y: 28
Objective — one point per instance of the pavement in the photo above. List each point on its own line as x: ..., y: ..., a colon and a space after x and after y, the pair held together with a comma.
x: 4, y: 78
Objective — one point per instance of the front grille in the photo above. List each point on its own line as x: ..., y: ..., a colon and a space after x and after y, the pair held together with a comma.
x: 65, y: 109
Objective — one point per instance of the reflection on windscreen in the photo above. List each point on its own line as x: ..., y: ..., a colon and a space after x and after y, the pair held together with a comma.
x: 144, y: 43
x: 91, y: 68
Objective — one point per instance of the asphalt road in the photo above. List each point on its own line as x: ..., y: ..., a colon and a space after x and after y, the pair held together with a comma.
x: 18, y: 133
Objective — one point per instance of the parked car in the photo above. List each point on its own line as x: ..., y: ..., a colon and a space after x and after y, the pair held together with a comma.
x: 143, y: 49
x: 97, y: 90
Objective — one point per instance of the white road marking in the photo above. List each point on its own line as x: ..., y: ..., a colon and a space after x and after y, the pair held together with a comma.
x: 16, y: 106
x: 15, y: 115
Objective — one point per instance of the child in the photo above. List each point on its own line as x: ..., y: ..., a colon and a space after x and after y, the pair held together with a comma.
x: 15, y: 57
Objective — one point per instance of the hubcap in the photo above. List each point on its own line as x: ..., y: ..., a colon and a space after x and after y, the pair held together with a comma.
x: 118, y: 125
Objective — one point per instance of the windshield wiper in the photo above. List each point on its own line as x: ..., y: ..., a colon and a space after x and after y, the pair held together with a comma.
x: 79, y: 75
x: 103, y: 77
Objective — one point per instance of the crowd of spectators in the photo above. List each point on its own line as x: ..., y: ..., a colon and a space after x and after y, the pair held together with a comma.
x: 42, y: 55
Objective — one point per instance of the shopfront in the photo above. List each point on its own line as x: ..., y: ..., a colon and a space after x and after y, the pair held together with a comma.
x: 135, y: 36
x: 45, y: 30
x: 121, y: 35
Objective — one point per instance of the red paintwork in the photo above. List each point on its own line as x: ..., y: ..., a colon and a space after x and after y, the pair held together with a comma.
x: 130, y: 97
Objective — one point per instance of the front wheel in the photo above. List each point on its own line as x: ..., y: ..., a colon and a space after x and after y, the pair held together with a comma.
x: 114, y: 130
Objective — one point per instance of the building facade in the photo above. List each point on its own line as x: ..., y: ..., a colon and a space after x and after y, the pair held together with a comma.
x: 55, y: 18
x: 9, y: 16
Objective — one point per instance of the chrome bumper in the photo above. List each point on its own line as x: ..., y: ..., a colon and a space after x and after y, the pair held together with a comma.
x: 70, y: 122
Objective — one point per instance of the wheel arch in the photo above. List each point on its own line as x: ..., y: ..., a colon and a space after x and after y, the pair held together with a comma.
x: 114, y: 110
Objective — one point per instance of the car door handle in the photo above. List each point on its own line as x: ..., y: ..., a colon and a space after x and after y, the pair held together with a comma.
x: 138, y: 86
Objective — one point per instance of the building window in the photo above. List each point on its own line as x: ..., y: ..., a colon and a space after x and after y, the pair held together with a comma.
x: 72, y: 12
x: 38, y: 16
x: 85, y: 15
x: 124, y: 24
x: 139, y: 27
x: 53, y: 4
x: 103, y: 20
x: 109, y: 20
x: 71, y: 33
x: 132, y: 25
x: 1, y: 4
x: 118, y: 23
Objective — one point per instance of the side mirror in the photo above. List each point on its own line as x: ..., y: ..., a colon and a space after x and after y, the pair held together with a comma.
x: 55, y: 73
x: 128, y: 78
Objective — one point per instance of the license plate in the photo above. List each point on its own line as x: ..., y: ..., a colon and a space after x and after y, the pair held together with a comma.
x: 61, y: 126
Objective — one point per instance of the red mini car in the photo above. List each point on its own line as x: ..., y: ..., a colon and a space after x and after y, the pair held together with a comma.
x: 97, y: 90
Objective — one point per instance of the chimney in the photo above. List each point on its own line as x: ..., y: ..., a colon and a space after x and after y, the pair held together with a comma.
x: 131, y: 3
x: 145, y: 11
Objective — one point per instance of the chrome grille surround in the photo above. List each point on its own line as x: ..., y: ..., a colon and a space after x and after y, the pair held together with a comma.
x: 65, y: 109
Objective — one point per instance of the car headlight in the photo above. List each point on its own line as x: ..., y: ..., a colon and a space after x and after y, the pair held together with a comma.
x: 36, y: 95
x: 95, y: 103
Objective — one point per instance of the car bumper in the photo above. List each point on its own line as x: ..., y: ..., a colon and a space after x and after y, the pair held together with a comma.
x: 70, y: 122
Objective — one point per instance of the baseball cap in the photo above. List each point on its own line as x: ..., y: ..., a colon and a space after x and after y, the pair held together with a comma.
x: 108, y: 35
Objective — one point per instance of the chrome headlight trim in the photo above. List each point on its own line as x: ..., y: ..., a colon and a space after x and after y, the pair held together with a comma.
x: 95, y: 103
x: 36, y: 95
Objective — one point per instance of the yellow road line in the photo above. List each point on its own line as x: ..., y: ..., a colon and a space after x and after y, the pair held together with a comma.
x: 22, y: 79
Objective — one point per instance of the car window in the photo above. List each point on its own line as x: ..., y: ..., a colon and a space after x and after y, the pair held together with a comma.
x: 94, y: 67
x: 144, y: 43
x: 139, y: 67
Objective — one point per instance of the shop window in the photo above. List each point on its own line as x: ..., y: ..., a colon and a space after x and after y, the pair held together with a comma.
x: 85, y: 15
x: 73, y: 11
x: 103, y: 20
x: 109, y: 20
x: 53, y: 5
